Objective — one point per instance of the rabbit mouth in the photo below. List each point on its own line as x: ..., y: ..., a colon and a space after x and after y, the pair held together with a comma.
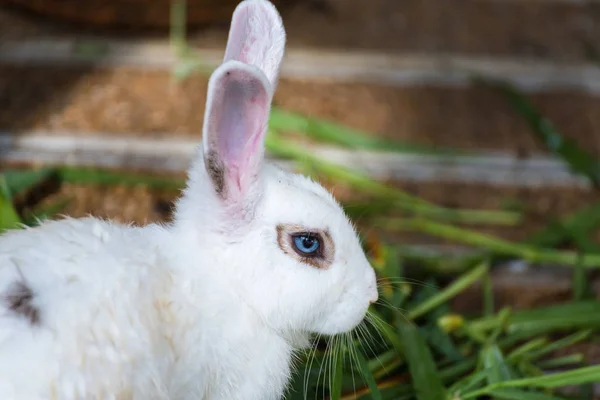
x: 345, y: 320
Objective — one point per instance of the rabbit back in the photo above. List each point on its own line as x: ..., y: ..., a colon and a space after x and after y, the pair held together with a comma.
x: 79, y: 311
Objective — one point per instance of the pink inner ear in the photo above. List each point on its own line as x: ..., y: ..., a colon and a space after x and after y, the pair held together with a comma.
x: 237, y: 126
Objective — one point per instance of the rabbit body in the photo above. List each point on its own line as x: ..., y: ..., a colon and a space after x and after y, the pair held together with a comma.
x: 151, y: 330
x: 211, y: 306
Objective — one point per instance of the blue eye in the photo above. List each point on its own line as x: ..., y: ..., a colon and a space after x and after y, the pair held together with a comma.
x: 307, y: 244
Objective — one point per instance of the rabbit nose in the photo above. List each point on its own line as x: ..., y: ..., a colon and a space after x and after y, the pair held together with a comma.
x: 373, y: 294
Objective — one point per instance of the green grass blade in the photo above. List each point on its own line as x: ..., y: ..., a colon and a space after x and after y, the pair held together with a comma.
x: 579, y: 161
x: 9, y: 218
x: 574, y: 377
x: 105, y: 177
x: 496, y: 367
x: 579, y: 282
x: 457, y: 370
x: 338, y: 372
x: 516, y: 394
x: 560, y: 344
x: 543, y: 320
x: 441, y: 342
x: 449, y: 292
x: 468, y: 383
x: 400, y: 199
x: 581, y: 222
x: 555, y: 324
x: 487, y: 287
x: 45, y: 212
x: 492, y: 243
x: 526, y: 349
x: 92, y: 50
x: 177, y: 25
x: 386, y: 330
x: 561, y: 362
x: 20, y: 181
x: 425, y: 377
x: 331, y: 132
x: 368, y: 376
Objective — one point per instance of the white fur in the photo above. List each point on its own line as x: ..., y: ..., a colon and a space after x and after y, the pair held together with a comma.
x: 208, y: 307
x: 260, y: 24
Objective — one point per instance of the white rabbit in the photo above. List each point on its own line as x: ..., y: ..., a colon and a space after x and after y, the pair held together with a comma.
x: 211, y: 306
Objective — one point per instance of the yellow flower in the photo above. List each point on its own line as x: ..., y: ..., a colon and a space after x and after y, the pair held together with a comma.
x: 450, y: 322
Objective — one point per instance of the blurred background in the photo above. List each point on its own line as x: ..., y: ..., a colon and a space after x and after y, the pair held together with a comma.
x: 462, y: 136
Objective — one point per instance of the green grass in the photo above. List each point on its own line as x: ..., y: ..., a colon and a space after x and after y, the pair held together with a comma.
x: 579, y: 161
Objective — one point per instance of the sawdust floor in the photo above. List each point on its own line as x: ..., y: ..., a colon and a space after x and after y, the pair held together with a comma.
x: 150, y: 103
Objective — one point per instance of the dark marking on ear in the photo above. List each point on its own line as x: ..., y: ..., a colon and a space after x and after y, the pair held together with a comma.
x: 19, y: 299
x: 216, y: 171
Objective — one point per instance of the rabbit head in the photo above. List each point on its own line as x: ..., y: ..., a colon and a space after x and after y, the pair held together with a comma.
x: 280, y: 239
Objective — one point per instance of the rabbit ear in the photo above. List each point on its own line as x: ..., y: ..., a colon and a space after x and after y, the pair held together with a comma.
x: 237, y: 112
x: 239, y: 101
x: 257, y: 37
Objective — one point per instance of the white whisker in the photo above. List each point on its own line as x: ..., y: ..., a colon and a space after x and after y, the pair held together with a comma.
x: 351, y: 351
x: 387, y: 304
x: 377, y: 329
x: 381, y: 282
x: 313, y: 351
